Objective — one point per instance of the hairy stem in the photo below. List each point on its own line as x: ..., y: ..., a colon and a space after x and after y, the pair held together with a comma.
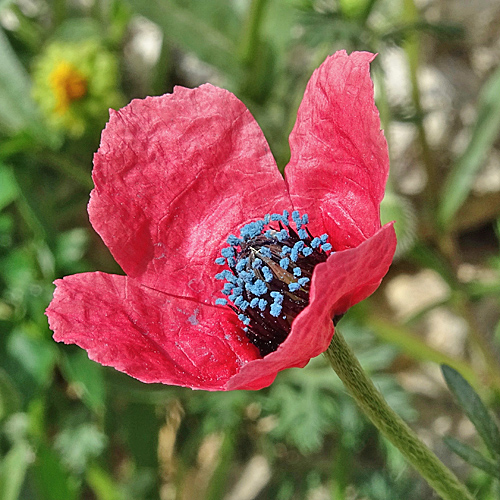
x: 373, y: 404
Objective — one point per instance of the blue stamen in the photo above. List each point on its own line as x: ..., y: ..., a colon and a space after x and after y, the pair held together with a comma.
x: 264, y: 251
x: 251, y: 262
x: 244, y: 319
x: 282, y: 235
x: 226, y: 275
x: 258, y: 288
x: 257, y: 263
x: 241, y: 265
x: 284, y: 263
x: 268, y: 275
x: 316, y: 242
x: 247, y: 277
x: 227, y: 252
x: 285, y: 216
x: 285, y: 251
x: 233, y: 240
x: 252, y: 229
x: 276, y: 309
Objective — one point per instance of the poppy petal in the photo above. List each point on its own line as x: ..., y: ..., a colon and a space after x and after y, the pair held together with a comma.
x: 346, y: 278
x: 339, y: 160
x: 176, y: 175
x: 150, y: 335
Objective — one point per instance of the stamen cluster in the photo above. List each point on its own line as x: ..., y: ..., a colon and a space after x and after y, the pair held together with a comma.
x: 268, y: 280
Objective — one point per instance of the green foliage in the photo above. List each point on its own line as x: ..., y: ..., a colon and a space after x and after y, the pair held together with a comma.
x: 13, y: 469
x: 72, y: 429
x: 484, y: 424
x: 484, y: 133
x: 474, y: 408
x: 473, y: 457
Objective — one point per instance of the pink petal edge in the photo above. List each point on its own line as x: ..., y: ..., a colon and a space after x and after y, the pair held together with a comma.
x: 339, y: 159
x: 347, y: 277
x: 150, y: 335
x: 174, y: 176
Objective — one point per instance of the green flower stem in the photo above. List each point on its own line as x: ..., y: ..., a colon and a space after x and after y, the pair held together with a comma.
x: 373, y: 404
x: 251, y: 33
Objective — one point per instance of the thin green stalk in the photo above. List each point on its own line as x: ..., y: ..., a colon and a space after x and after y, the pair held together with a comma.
x: 251, y: 34
x: 59, y: 12
x: 373, y: 404
x: 445, y: 241
x: 68, y: 168
x: 417, y: 349
x: 412, y: 49
x: 448, y: 248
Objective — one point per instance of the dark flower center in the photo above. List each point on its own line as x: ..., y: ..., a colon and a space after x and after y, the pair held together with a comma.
x: 269, y: 275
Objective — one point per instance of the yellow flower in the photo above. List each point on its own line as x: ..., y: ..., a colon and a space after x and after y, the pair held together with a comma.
x: 68, y: 85
x: 75, y: 84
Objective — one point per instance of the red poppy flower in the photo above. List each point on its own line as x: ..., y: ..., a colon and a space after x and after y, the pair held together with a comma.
x: 222, y: 290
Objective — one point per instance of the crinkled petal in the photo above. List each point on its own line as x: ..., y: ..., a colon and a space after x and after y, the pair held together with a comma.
x: 150, y: 335
x: 174, y: 176
x: 339, y: 160
x: 346, y: 278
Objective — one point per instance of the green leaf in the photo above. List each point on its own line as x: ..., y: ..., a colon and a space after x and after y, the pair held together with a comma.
x: 473, y: 457
x: 425, y: 256
x: 474, y: 408
x: 53, y: 481
x: 5, y: 3
x: 303, y: 425
x: 193, y: 33
x: 13, y: 469
x: 17, y: 110
x: 10, y: 399
x: 102, y: 484
x: 399, y: 209
x: 36, y: 355
x: 142, y: 427
x: 8, y: 187
x: 79, y: 445
x: 485, y: 132
x: 86, y: 378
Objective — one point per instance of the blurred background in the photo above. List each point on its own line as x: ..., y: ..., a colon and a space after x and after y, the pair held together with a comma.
x: 72, y: 429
